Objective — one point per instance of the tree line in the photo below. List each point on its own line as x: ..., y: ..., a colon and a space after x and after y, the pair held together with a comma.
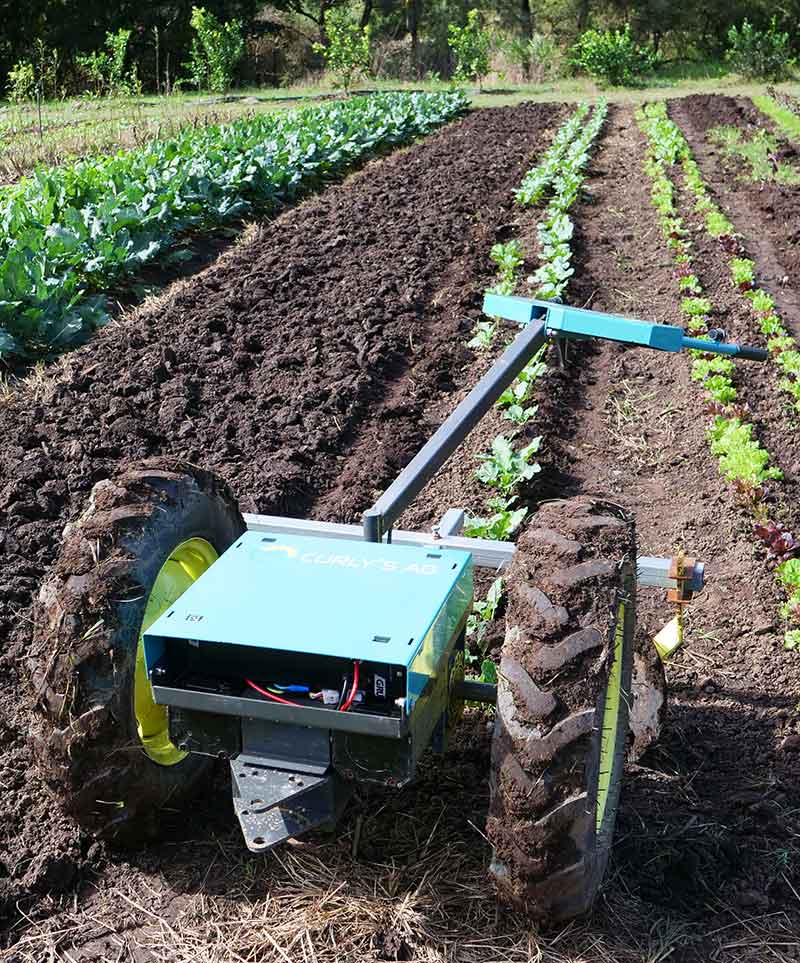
x: 409, y: 37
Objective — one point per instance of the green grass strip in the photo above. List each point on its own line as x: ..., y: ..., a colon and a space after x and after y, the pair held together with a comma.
x: 786, y: 119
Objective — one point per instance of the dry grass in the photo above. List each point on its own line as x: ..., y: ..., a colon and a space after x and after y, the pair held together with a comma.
x: 415, y: 889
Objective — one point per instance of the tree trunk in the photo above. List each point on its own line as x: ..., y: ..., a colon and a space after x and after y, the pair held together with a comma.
x: 583, y: 15
x: 527, y: 19
x: 323, y: 13
x: 366, y: 13
x: 526, y: 16
x: 412, y: 24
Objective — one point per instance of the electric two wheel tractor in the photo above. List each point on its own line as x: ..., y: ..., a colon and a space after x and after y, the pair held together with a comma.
x: 314, y: 656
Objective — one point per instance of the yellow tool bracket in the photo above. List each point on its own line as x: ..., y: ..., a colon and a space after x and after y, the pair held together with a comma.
x: 671, y: 637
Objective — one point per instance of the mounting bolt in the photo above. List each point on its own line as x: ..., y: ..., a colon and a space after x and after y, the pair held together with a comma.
x: 183, y: 746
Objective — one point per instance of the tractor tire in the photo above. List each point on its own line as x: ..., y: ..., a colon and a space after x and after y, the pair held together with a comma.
x: 563, y: 695
x: 100, y: 741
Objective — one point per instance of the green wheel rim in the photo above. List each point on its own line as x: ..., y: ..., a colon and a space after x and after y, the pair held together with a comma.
x: 185, y: 565
x: 611, y: 714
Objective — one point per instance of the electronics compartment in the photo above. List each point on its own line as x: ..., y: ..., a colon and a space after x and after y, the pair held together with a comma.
x: 221, y: 669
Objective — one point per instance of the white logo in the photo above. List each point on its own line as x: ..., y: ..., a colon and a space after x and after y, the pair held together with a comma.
x: 367, y: 564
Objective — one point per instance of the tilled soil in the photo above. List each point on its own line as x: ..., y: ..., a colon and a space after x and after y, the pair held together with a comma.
x: 706, y: 860
x: 774, y: 208
x: 268, y: 368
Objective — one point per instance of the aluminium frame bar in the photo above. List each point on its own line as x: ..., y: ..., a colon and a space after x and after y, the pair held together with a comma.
x: 651, y: 571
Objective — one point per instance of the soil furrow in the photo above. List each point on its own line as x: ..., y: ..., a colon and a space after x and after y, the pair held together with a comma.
x: 766, y: 214
x: 266, y: 368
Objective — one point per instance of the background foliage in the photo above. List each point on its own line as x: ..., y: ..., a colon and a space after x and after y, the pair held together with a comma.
x: 409, y: 38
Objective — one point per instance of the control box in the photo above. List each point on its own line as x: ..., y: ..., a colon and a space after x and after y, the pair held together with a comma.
x: 297, y: 616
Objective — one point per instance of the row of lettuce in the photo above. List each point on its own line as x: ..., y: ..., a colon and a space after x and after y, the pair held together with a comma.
x: 67, y: 234
x: 743, y: 461
x: 509, y: 464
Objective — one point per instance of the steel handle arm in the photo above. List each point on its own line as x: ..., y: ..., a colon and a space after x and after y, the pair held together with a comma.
x: 410, y: 482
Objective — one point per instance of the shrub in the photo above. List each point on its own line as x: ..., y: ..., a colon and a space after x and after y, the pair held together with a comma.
x: 762, y: 54
x: 215, y: 52
x: 613, y: 57
x: 347, y: 50
x: 470, y: 46
x: 105, y: 69
x: 540, y: 58
x: 21, y: 82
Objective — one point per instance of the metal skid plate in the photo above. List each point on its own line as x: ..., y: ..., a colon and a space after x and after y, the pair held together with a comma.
x: 283, y: 784
x: 275, y: 804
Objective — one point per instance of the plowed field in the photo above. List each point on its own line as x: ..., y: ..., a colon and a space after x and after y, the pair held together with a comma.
x: 306, y: 367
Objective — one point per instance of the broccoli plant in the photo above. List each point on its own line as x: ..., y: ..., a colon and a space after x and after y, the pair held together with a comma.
x: 501, y: 524
x: 504, y: 469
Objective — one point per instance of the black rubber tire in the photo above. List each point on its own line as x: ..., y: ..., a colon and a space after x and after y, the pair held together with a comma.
x: 87, y: 624
x: 574, y: 565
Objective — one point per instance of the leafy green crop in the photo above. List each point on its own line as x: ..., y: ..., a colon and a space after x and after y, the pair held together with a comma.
x: 786, y: 119
x: 483, y: 612
x: 703, y: 368
x: 504, y: 469
x: 758, y: 151
x: 484, y: 334
x: 556, y: 228
x: 538, y: 179
x: 742, y: 271
x: 67, y: 232
x: 788, y: 574
x: 508, y: 257
x: 740, y: 457
x: 501, y: 524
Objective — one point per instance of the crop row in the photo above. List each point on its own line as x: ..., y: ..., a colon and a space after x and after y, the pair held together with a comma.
x: 69, y: 232
x: 742, y: 459
x: 504, y: 468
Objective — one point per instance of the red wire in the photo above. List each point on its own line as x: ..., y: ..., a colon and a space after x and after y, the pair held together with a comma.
x: 353, y: 690
x: 285, y: 702
x: 269, y: 695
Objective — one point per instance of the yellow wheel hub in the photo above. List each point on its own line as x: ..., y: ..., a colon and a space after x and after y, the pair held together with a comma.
x: 185, y: 565
x: 611, y: 711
